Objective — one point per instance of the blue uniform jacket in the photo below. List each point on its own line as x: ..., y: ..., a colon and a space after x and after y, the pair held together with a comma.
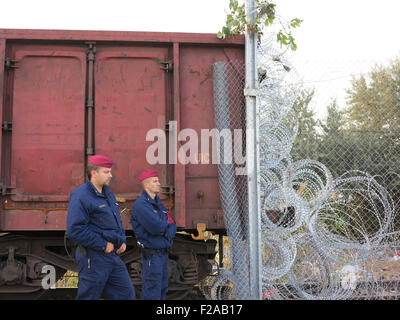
x: 149, y: 223
x: 94, y: 219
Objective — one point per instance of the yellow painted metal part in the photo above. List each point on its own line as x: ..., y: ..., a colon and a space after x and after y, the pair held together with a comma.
x: 203, y: 234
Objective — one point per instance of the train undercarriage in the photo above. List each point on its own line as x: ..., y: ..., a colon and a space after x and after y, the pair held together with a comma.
x: 27, y: 260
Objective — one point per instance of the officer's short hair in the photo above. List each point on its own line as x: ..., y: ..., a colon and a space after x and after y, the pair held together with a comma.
x: 89, y: 169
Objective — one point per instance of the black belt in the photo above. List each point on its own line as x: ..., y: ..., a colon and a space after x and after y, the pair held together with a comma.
x: 147, y: 252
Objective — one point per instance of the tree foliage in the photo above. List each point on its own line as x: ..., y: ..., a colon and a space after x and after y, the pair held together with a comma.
x: 364, y: 135
x: 374, y: 101
x: 307, y: 137
x: 236, y: 22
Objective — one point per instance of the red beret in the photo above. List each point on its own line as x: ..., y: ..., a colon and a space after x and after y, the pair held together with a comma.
x: 148, y: 174
x: 101, y: 161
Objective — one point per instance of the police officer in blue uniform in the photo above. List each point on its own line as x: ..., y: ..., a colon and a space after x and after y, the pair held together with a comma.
x: 154, y: 230
x: 94, y: 223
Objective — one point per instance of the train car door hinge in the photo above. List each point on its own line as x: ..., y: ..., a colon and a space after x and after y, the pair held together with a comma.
x: 5, y: 190
x: 167, y: 66
x: 10, y: 64
x: 91, y: 53
x: 6, y: 126
x: 89, y: 151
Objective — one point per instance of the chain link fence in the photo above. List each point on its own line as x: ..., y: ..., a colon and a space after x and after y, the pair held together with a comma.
x: 230, y: 119
x: 330, y: 179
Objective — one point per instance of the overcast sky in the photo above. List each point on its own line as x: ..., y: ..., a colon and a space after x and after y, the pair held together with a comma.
x: 336, y: 39
x: 331, y: 28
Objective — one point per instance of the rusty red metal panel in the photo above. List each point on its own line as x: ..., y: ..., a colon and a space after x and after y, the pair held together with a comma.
x: 130, y: 100
x: 33, y: 219
x: 48, y: 122
x: 2, y: 58
x: 202, y: 189
x: 132, y: 96
x: 179, y: 169
x: 130, y: 36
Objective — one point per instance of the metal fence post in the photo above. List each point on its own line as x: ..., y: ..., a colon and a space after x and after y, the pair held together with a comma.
x: 252, y: 154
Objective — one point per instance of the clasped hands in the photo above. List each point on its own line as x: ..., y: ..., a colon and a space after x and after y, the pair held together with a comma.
x: 110, y: 248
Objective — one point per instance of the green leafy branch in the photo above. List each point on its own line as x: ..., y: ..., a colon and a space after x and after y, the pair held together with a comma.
x: 236, y: 22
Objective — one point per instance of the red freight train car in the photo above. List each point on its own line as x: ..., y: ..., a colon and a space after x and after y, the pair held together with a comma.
x: 65, y: 95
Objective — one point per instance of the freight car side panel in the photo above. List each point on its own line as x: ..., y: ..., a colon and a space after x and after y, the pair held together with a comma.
x: 44, y: 95
x: 42, y: 155
x: 2, y: 67
x: 197, y: 104
x: 48, y: 123
x: 130, y: 97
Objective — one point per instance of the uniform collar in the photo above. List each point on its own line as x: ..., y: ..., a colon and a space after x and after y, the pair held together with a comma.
x: 156, y: 199
x: 93, y: 188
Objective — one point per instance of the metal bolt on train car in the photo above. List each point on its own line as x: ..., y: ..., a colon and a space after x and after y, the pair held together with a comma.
x: 65, y: 95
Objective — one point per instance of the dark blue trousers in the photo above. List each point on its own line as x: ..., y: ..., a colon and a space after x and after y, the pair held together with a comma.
x: 155, y: 276
x: 103, y: 273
